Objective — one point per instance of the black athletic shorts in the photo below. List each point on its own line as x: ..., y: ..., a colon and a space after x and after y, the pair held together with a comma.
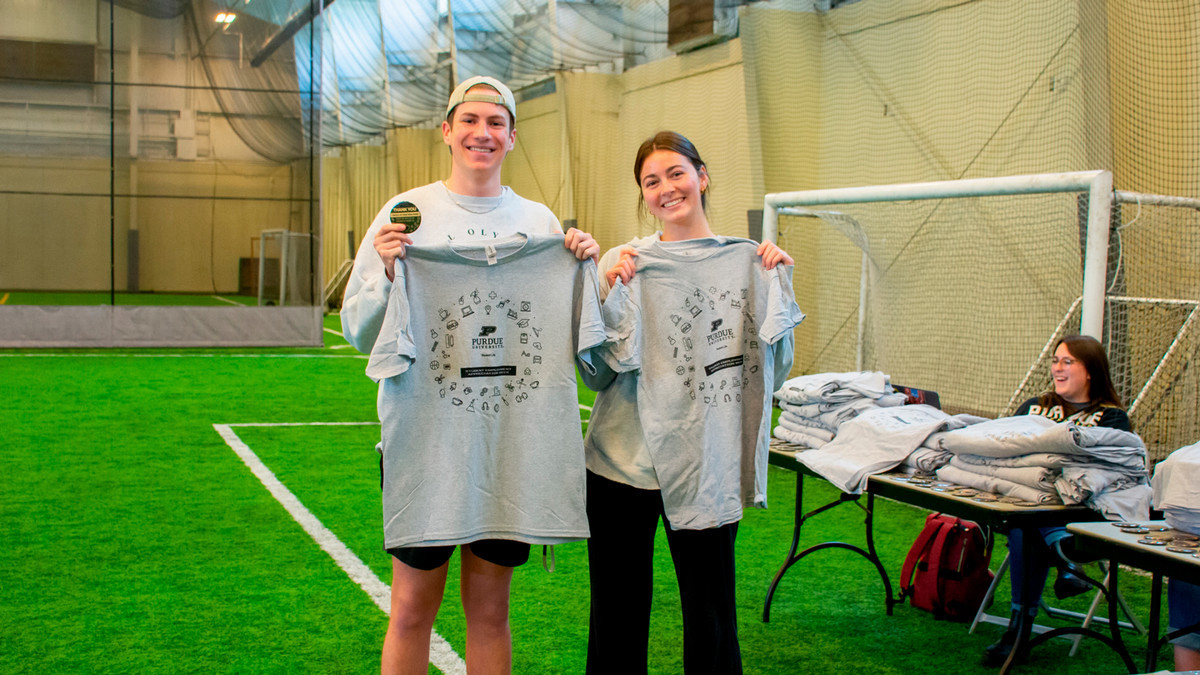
x: 503, y: 552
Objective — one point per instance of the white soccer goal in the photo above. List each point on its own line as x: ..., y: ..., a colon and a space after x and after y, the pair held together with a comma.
x: 1152, y: 308
x: 285, y: 268
x: 964, y: 286
x: 950, y: 285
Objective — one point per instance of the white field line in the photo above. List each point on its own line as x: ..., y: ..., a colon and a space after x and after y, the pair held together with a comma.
x: 441, y: 654
x: 301, y: 424
x: 185, y: 356
x: 333, y: 332
x: 217, y: 297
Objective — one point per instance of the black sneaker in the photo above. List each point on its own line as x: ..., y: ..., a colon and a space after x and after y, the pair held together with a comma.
x: 1068, y: 585
x: 995, y: 654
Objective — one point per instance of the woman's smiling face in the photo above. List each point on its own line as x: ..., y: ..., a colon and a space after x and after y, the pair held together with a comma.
x: 671, y: 187
x: 1071, y: 379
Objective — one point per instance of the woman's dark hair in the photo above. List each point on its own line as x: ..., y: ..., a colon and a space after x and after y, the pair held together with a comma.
x: 1088, y: 351
x: 673, y: 142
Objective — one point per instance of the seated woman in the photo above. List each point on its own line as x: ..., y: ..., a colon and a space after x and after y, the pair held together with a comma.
x: 1183, y: 605
x: 1083, y: 394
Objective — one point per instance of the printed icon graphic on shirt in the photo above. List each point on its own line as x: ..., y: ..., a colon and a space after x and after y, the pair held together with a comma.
x: 727, y: 351
x: 473, y: 359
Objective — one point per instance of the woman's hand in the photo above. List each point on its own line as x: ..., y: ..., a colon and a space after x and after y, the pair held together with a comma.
x: 772, y: 255
x: 624, y: 268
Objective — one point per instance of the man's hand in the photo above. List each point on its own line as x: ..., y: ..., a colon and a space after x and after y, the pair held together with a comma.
x: 389, y: 244
x: 582, y: 245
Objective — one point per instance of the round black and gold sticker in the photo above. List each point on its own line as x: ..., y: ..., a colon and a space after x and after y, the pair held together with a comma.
x: 407, y: 214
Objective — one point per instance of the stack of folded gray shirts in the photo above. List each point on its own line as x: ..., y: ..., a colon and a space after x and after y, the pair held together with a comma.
x: 930, y: 456
x: 1037, y: 460
x: 878, y: 440
x: 814, y: 406
x: 1176, y: 486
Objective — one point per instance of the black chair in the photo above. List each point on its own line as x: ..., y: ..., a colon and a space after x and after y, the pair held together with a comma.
x: 913, y: 395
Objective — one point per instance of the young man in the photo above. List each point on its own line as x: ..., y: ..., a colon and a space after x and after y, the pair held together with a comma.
x: 471, y: 206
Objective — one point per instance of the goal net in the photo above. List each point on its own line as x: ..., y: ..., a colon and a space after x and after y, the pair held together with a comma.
x: 285, y: 273
x: 1151, y: 319
x: 963, y: 289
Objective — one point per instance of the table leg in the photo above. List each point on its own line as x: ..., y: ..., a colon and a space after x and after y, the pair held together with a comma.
x: 791, y: 555
x: 1155, y: 608
x: 888, y: 598
x: 1114, y: 623
x: 1113, y: 640
x: 794, y: 556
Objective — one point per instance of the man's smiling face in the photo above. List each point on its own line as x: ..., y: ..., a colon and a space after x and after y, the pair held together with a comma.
x: 479, y: 134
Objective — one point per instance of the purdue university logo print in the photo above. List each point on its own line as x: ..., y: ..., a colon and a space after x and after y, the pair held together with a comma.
x: 707, y: 331
x: 485, y: 352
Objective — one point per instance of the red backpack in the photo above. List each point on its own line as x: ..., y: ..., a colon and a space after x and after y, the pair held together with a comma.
x: 950, y: 559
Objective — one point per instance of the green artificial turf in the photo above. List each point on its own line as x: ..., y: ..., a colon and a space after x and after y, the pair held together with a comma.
x: 133, y: 538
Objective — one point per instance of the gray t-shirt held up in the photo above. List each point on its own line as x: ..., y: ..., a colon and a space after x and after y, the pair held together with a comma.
x: 478, y: 399
x: 707, y: 332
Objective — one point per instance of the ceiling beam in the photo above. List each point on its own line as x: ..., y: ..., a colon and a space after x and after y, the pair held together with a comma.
x: 294, y: 23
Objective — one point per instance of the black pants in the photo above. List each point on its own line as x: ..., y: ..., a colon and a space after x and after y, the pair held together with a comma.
x: 623, y: 522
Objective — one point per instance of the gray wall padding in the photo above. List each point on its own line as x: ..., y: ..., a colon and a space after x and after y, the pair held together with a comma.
x: 139, y: 326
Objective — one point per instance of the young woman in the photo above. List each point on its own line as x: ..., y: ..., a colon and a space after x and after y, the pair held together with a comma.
x: 1083, y: 394
x: 687, y: 362
x: 1183, y: 605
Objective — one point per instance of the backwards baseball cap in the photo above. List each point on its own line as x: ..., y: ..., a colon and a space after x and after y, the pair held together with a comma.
x: 502, y: 96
